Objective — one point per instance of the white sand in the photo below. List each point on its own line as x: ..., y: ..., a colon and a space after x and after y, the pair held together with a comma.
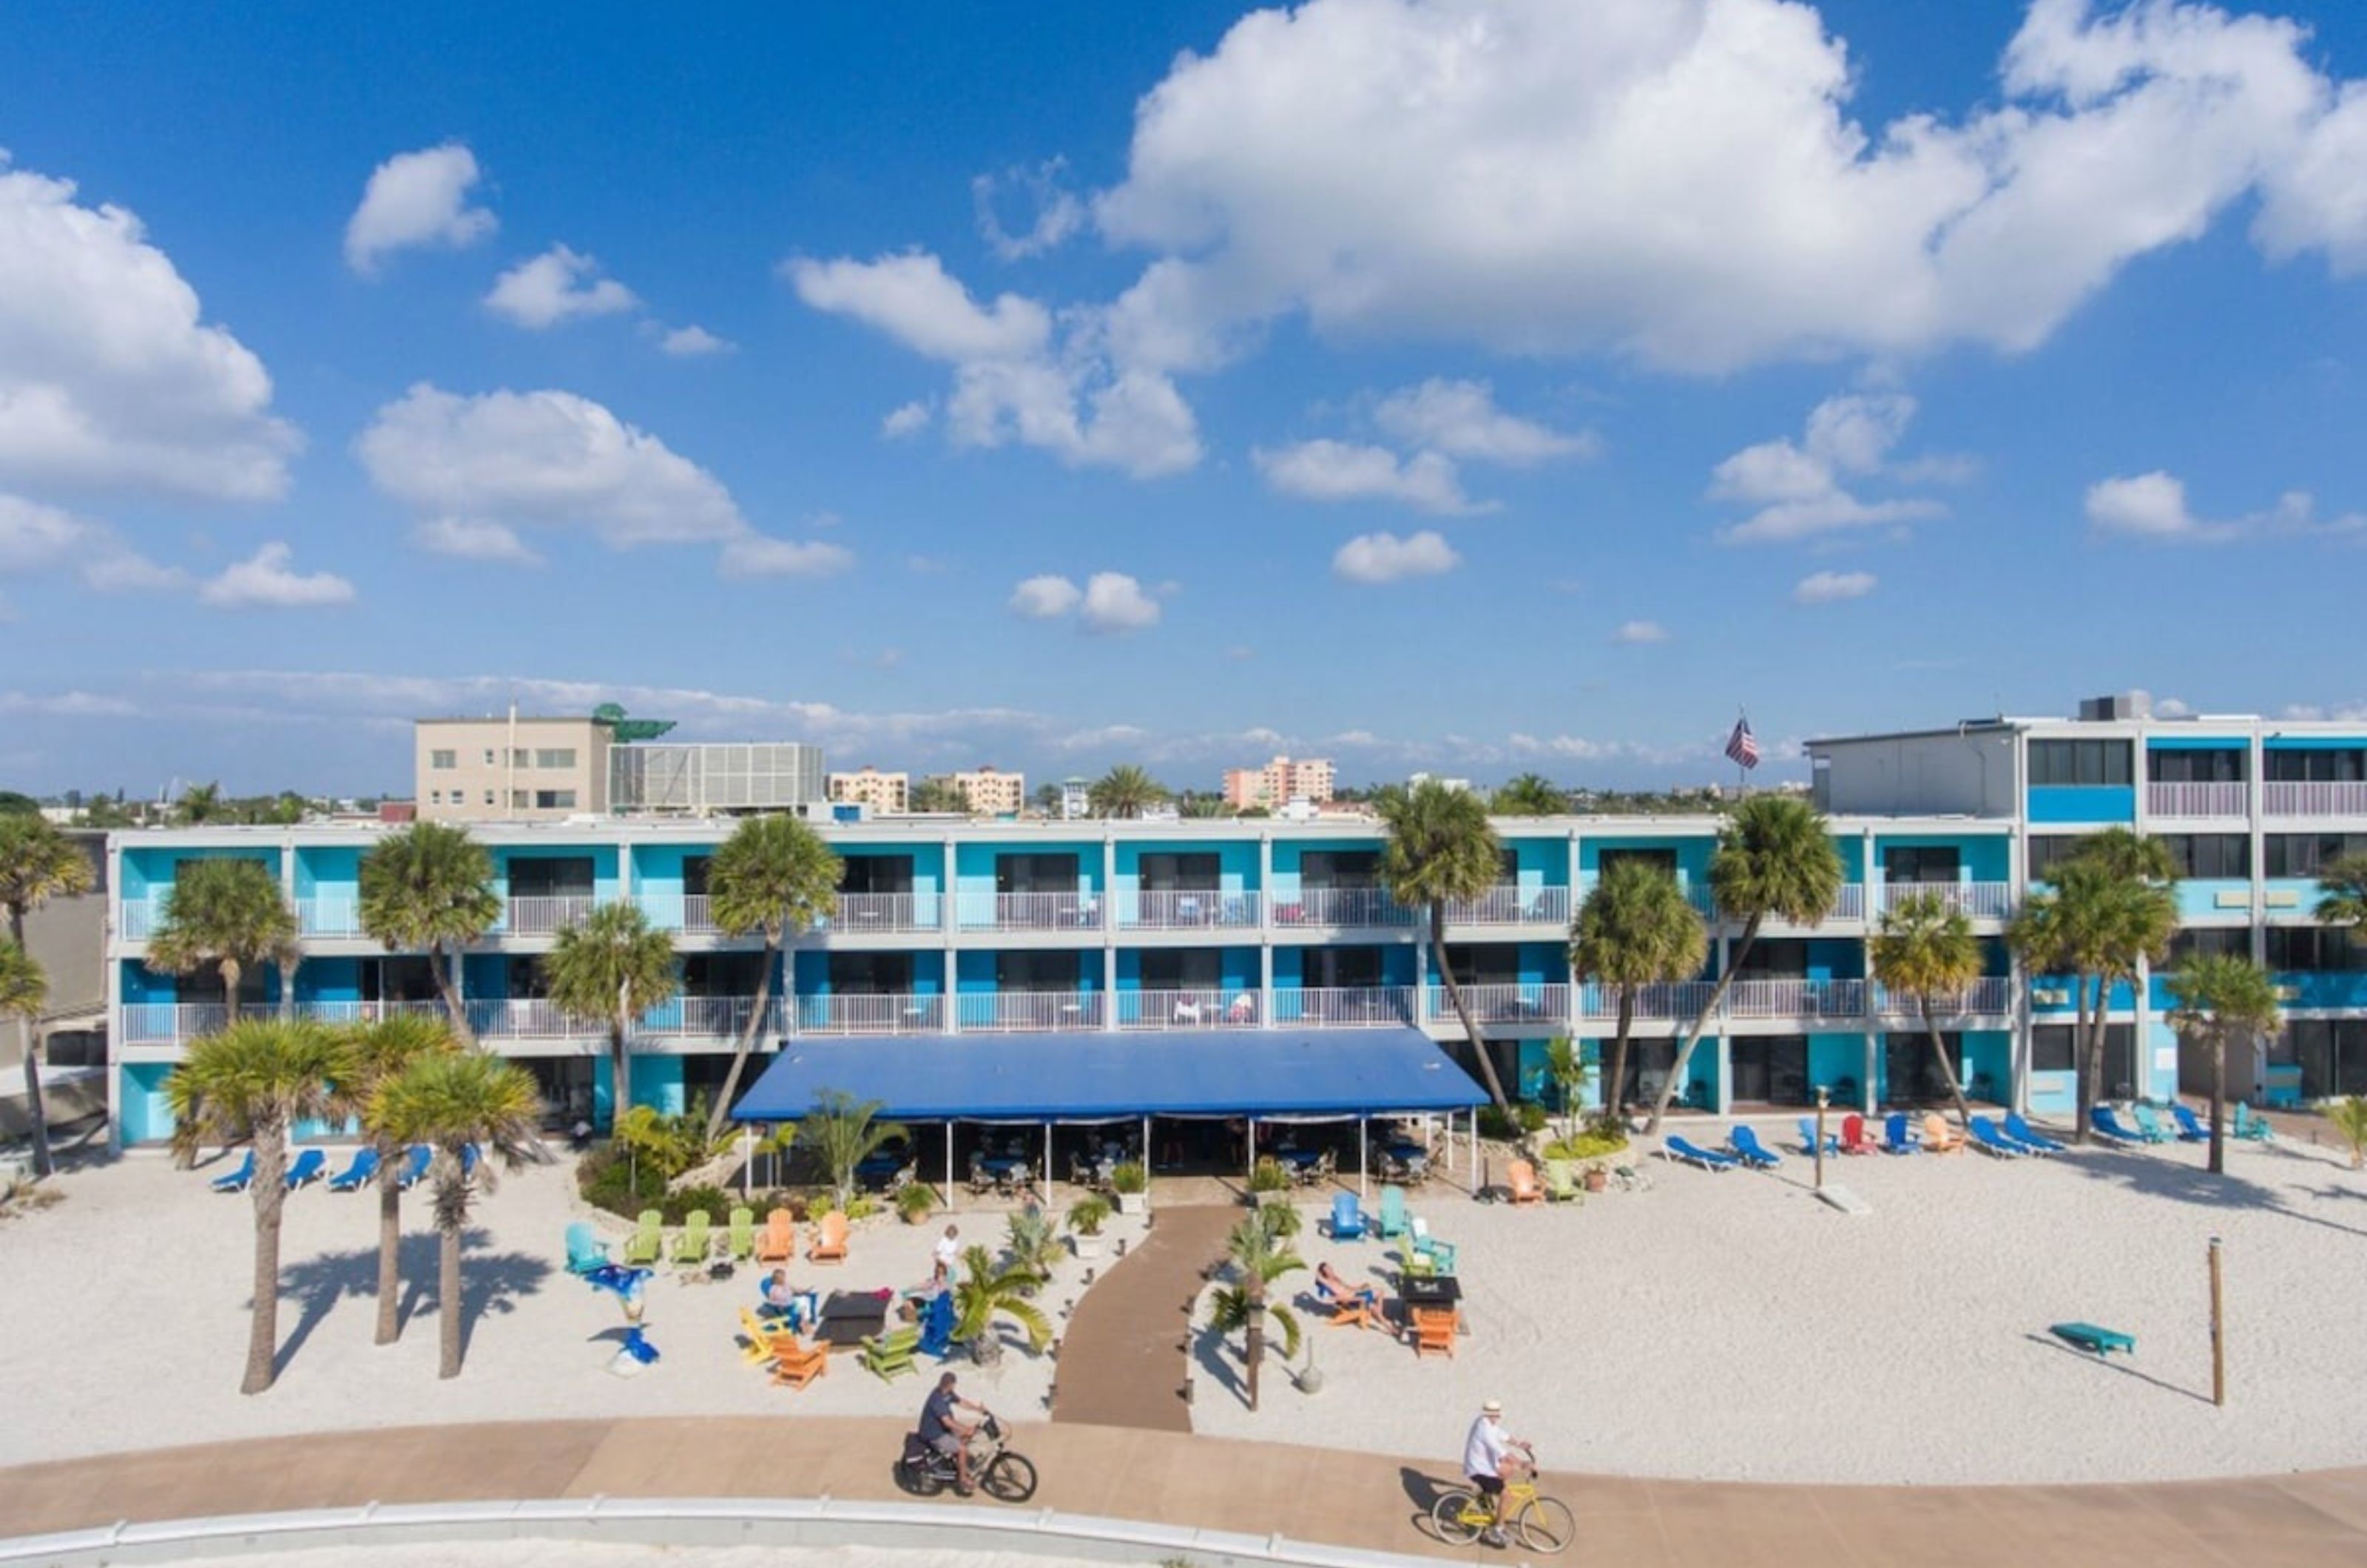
x: 578, y: 1554
x: 1731, y: 1327
x: 126, y: 1307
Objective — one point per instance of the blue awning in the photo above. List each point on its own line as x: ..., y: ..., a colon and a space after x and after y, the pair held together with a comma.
x: 1084, y: 1078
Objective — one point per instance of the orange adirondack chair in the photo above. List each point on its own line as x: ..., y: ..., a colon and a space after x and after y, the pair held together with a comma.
x: 1526, y: 1188
x: 777, y: 1243
x: 1938, y: 1138
x: 1433, y: 1329
x: 829, y: 1245
x: 797, y: 1365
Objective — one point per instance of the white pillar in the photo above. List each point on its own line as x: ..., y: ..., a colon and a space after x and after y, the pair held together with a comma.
x: 1249, y: 1169
x: 1475, y: 1148
x: 950, y: 1162
x: 1364, y: 1163
x: 1047, y: 1162
x: 1146, y: 1151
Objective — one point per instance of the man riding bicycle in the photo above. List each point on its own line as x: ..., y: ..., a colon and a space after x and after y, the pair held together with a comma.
x: 946, y: 1433
x: 1491, y: 1457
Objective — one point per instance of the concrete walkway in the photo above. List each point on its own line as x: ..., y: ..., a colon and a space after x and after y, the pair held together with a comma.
x: 1336, y: 1496
x: 1123, y: 1360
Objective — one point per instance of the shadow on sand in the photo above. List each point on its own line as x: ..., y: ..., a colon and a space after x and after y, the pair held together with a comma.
x: 2179, y: 1182
x: 2108, y: 1364
x: 490, y: 1281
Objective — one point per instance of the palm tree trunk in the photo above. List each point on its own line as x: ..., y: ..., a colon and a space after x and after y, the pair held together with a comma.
x: 2089, y: 1035
x: 1494, y: 1085
x: 2218, y: 1099
x: 231, y: 971
x: 288, y: 988
x: 1253, y: 1345
x: 390, y: 1243
x: 1614, y: 1099
x: 747, y: 1038
x: 1709, y: 1009
x: 36, y: 1110
x: 269, y: 1189
x: 1947, y: 1068
x: 442, y: 973
x: 620, y: 1098
x: 448, y: 1297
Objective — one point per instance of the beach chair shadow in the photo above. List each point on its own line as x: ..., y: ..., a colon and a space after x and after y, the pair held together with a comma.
x: 2120, y: 1368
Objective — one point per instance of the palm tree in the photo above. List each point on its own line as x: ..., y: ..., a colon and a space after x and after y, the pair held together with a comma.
x: 2342, y: 894
x: 843, y: 1134
x: 222, y: 914
x: 250, y: 1083
x: 610, y: 968
x: 427, y: 888
x: 1529, y: 794
x: 377, y: 1054
x: 990, y: 1289
x: 449, y: 1100
x: 36, y: 863
x: 200, y: 803
x: 2221, y: 998
x: 24, y: 991
x: 1125, y: 791
x: 1925, y: 950
x: 1635, y: 928
x: 776, y: 876
x: 1441, y: 848
x: 1774, y: 857
x: 1259, y: 1254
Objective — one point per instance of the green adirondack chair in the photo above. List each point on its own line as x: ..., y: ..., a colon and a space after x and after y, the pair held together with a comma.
x: 648, y: 1240
x: 743, y: 1234
x: 890, y: 1355
x: 691, y: 1246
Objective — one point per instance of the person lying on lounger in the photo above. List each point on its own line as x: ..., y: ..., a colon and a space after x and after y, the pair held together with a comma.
x: 1340, y: 1291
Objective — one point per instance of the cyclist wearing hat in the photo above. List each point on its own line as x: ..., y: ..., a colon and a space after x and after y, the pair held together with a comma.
x: 1489, y: 1455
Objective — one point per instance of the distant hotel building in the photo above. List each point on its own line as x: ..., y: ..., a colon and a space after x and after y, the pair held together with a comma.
x: 1278, y: 783
x: 545, y: 769
x: 887, y: 795
x: 992, y: 794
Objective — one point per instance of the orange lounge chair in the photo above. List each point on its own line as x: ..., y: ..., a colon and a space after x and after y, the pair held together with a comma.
x: 766, y: 1341
x: 777, y: 1243
x: 1938, y: 1139
x: 797, y: 1365
x: 1526, y: 1188
x: 829, y: 1245
x: 1433, y: 1329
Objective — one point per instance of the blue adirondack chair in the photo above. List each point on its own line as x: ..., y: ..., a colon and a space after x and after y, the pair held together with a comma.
x: 1808, y: 1139
x: 585, y: 1250
x: 1393, y: 1221
x: 1347, y: 1219
x: 938, y: 1325
x: 1989, y: 1140
x: 308, y: 1168
x: 2021, y: 1132
x: 357, y: 1174
x: 2149, y: 1125
x: 2251, y: 1126
x: 415, y: 1166
x: 2191, y: 1129
x: 1680, y: 1148
x: 1747, y: 1147
x: 1897, y: 1136
x: 237, y: 1180
x: 2107, y: 1121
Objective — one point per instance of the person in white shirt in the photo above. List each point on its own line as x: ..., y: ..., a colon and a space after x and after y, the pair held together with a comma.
x: 1491, y: 1457
x: 947, y: 1253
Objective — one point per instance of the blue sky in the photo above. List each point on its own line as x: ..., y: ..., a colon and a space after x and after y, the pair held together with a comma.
x: 1482, y: 385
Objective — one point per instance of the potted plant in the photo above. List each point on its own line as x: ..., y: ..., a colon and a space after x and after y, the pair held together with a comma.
x: 1132, y: 1182
x: 1086, y: 1217
x: 987, y: 1291
x: 1269, y: 1183
x: 1597, y: 1177
x: 915, y: 1201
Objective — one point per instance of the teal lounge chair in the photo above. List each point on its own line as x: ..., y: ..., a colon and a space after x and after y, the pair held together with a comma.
x: 2087, y: 1337
x: 237, y: 1180
x: 2149, y: 1125
x: 2251, y: 1126
x: 1392, y: 1223
x: 585, y: 1250
x: 2191, y: 1129
x: 2107, y: 1121
x: 1684, y: 1149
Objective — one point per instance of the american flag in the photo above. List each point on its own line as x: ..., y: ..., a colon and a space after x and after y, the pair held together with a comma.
x: 1743, y: 746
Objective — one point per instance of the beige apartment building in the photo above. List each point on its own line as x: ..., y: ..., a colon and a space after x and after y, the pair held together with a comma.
x: 1278, y: 783
x: 887, y: 795
x: 509, y: 770
x: 992, y: 794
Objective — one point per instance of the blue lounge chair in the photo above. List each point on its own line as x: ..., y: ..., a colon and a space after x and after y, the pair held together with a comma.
x: 357, y: 1174
x: 1989, y: 1140
x: 2251, y: 1126
x: 469, y: 1158
x: 2191, y: 1129
x: 1808, y: 1139
x: 1686, y: 1149
x: 415, y: 1166
x: 2021, y: 1132
x: 1750, y: 1150
x: 938, y: 1325
x: 1347, y: 1220
x: 1898, y: 1136
x: 1393, y: 1220
x: 585, y: 1250
x: 308, y: 1168
x: 237, y: 1180
x: 2105, y: 1120
x: 2149, y: 1125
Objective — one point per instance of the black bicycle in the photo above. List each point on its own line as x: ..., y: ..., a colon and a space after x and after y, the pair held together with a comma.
x: 1004, y: 1476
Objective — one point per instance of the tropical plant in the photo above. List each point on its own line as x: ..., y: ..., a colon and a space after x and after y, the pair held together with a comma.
x: 1441, y: 848
x: 670, y: 1146
x: 1130, y: 1177
x: 1125, y: 791
x: 610, y: 968
x: 199, y: 804
x: 36, y: 863
x: 1089, y: 1213
x: 1529, y: 794
x: 224, y: 915
x: 1570, y: 1072
x: 2221, y: 999
x: 1774, y: 858
x: 377, y: 1053
x: 1635, y: 928
x: 1258, y: 1253
x: 1202, y: 805
x: 774, y: 875
x: 24, y: 989
x: 843, y: 1134
x: 2342, y: 894
x: 1031, y: 1242
x: 1925, y: 949
x: 1268, y: 1176
x: 2348, y: 1116
x: 429, y: 889
x: 448, y: 1102
x: 249, y: 1084
x: 988, y: 1289
x: 915, y: 1201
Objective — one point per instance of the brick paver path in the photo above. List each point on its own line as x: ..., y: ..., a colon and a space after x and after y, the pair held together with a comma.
x: 1123, y: 1360
x: 1346, y: 1498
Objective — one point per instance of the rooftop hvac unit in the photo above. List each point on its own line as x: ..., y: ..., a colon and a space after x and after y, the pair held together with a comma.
x: 2103, y: 710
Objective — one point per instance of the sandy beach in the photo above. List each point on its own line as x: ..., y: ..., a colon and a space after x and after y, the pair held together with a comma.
x: 580, y: 1554
x: 1731, y: 1327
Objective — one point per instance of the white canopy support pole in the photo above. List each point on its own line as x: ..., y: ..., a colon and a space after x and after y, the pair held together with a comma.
x: 1474, y: 1127
x: 1363, y: 1164
x: 1249, y: 1172
x: 1047, y: 1162
x: 950, y: 1162
x: 1146, y: 1148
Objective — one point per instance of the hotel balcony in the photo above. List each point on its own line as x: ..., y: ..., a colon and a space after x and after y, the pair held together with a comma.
x: 1545, y: 1002
x: 1849, y: 909
x: 1335, y: 907
x: 1789, y: 999
x: 897, y: 1013
x: 1028, y: 1012
x: 2197, y: 801
x: 329, y: 917
x: 1973, y: 901
x: 2332, y: 799
x: 543, y: 916
x: 1681, y: 999
x: 1160, y: 1009
x: 1988, y: 996
x: 1506, y: 904
x: 1198, y: 909
x: 1342, y: 1007
x: 1028, y: 911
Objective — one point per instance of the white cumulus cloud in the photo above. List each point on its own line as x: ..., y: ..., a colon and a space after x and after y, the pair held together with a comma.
x: 1384, y: 557
x: 693, y: 341
x: 757, y: 555
x: 473, y: 540
x: 1799, y: 487
x: 1045, y: 598
x: 34, y: 537
x: 1638, y: 632
x: 2152, y: 507
x: 913, y: 299
x: 1115, y: 603
x: 1461, y: 419
x: 267, y: 580
x: 1832, y: 587
x: 559, y: 285
x: 907, y: 419
x: 1345, y: 470
x: 1055, y: 214
x: 415, y: 199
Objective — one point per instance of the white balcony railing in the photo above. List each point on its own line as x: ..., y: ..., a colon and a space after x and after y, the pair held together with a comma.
x: 1988, y: 996
x: 329, y: 917
x: 1028, y: 1012
x: 1029, y: 911
x: 544, y: 917
x: 1975, y: 900
x: 526, y: 1018
x: 709, y: 1017
x: 166, y: 1023
x: 2327, y: 800
x: 1340, y: 907
x: 1507, y: 904
x: 1849, y: 906
x: 136, y: 918
x: 869, y: 914
x: 1184, y: 910
x: 1513, y: 1002
x: 1342, y: 1007
x: 1796, y: 999
x: 1681, y: 999
x: 1161, y: 1009
x: 900, y: 1012
x: 2197, y: 800
x: 363, y: 1012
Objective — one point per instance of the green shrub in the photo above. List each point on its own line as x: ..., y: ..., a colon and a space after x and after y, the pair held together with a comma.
x: 1130, y: 1177
x: 1587, y: 1146
x: 610, y: 1181
x: 1507, y: 1126
x: 719, y: 1204
x: 1089, y: 1213
x: 914, y: 1200
x: 1268, y: 1176
x: 862, y: 1206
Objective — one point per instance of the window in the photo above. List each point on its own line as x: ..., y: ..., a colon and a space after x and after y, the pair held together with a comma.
x: 434, y: 797
x: 874, y: 873
x: 695, y: 869
x: 551, y: 876
x: 2330, y: 765
x: 2208, y: 765
x: 489, y: 797
x: 2219, y: 942
x: 1183, y: 969
x: 2323, y: 948
x: 443, y: 759
x: 520, y: 757
x: 1037, y: 972
x: 2045, y: 854
x: 555, y: 757
x: 871, y: 974
x: 1921, y: 863
x: 1180, y: 874
x: 1340, y: 869
x: 2053, y: 1049
x: 1484, y: 964
x: 2306, y: 854
x: 554, y: 799
x: 2210, y: 856
x: 518, y: 799
x: 489, y: 755
x: 1661, y: 861
x: 2089, y: 763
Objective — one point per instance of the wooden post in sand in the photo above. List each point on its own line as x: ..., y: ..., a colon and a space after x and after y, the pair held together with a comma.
x: 2218, y: 1332
x: 1823, y: 1099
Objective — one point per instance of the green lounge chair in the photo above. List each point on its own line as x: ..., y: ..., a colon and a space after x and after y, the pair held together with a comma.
x: 1561, y: 1181
x: 691, y: 1246
x: 2087, y: 1337
x: 1393, y: 1212
x: 743, y: 1234
x: 648, y: 1241
x: 890, y: 1355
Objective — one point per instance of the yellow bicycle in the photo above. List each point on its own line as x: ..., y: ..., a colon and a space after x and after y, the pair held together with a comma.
x: 1542, y: 1524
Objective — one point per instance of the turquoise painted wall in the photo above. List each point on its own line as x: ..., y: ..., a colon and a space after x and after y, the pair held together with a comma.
x: 657, y: 1080
x: 328, y: 872
x: 148, y: 870
x: 1236, y: 864
x: 2082, y: 802
x: 139, y: 1088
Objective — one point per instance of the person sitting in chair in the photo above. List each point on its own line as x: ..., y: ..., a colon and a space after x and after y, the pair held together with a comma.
x: 783, y: 1301
x: 1338, y: 1289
